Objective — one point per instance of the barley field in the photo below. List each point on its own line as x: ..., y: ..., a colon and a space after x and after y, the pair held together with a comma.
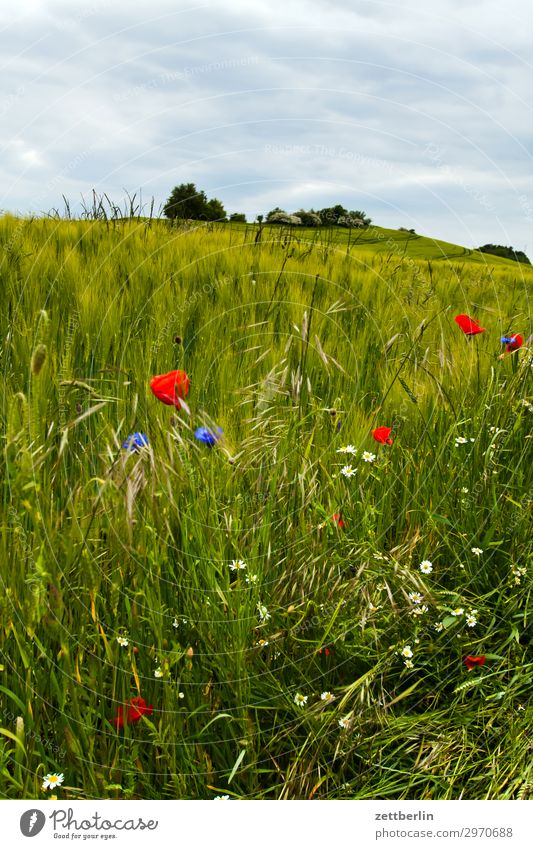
x: 296, y: 611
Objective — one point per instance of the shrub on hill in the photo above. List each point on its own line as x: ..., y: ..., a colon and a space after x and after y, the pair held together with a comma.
x: 186, y: 201
x: 506, y: 253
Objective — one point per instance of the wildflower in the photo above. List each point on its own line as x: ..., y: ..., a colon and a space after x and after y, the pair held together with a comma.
x: 132, y: 711
x: 343, y: 723
x: 300, y: 700
x: 457, y: 612
x: 262, y: 643
x: 368, y: 457
x: 416, y: 598
x: 378, y: 556
x: 347, y: 449
x: 460, y: 440
x: 476, y: 551
x: 324, y: 651
x: 264, y: 615
x: 471, y: 661
x: 175, y: 623
x: 123, y: 641
x: 464, y: 490
x: 382, y: 435
x: 512, y: 343
x: 426, y: 567
x: 251, y: 579
x: 408, y: 663
x: 135, y: 441
x: 407, y: 651
x: 469, y: 326
x: 169, y: 388
x: 158, y: 673
x: 326, y: 696
x: 53, y: 779
x: 208, y: 436
x: 237, y: 564
x: 419, y: 611
x: 348, y: 471
x: 471, y: 620
x: 181, y: 695
x: 220, y: 798
x: 338, y: 520
x: 438, y: 627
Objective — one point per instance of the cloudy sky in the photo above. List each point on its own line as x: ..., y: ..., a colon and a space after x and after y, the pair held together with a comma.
x: 418, y: 113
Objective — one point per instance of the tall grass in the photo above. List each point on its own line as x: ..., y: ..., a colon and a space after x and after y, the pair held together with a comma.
x: 295, y: 347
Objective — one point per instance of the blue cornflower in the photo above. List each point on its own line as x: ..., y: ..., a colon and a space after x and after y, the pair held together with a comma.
x: 207, y: 436
x: 135, y: 441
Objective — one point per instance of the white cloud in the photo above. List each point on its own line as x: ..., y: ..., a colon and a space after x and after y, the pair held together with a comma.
x: 418, y: 114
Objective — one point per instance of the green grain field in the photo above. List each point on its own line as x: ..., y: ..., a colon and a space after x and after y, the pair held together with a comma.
x: 330, y: 666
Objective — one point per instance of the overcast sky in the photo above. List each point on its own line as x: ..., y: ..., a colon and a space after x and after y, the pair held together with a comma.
x: 418, y: 113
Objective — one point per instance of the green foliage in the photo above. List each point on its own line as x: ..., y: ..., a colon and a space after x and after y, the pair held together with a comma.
x: 186, y: 202
x: 287, y: 337
x: 508, y: 253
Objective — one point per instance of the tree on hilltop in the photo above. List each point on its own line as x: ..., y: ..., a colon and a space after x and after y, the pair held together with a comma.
x: 186, y: 201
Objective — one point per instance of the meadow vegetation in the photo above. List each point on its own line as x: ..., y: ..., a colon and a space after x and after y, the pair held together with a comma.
x: 331, y: 665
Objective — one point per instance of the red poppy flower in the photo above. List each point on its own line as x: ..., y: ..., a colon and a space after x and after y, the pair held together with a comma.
x: 132, y: 711
x: 169, y: 388
x: 472, y: 661
x: 469, y: 326
x: 327, y: 652
x: 514, y: 342
x: 338, y: 520
x: 381, y: 434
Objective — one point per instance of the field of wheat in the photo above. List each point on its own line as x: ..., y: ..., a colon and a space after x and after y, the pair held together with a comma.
x: 288, y: 607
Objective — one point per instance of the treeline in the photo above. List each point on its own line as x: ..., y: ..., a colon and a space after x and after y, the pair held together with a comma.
x: 506, y: 253
x: 187, y: 202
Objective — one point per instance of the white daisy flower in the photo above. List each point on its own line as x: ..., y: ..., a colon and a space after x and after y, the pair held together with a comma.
x: 464, y: 489
x: 344, y: 723
x: 460, y: 440
x: 408, y: 663
x: 348, y: 471
x: 251, y: 579
x: 326, y: 696
x: 407, y: 651
x: 158, y: 673
x: 416, y: 598
x: 438, y: 627
x: 347, y: 449
x: 419, y: 611
x: 237, y: 564
x: 477, y: 551
x: 262, y: 643
x: 368, y: 457
x: 220, y: 798
x: 175, y: 623
x: 262, y: 610
x: 426, y: 567
x: 123, y: 641
x: 53, y: 779
x: 181, y: 695
x: 471, y: 620
x: 457, y: 612
x: 300, y: 700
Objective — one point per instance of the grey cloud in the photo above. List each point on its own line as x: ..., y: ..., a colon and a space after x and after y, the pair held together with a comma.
x: 417, y: 114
